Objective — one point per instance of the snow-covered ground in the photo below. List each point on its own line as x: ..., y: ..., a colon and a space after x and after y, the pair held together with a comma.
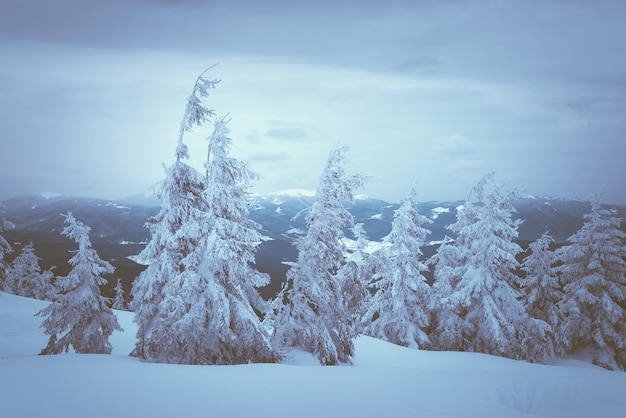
x: 385, y: 381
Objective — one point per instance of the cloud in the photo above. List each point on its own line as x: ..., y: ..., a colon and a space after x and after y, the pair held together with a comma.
x: 268, y: 157
x: 288, y: 134
x: 453, y: 146
x: 505, y: 86
x: 424, y: 65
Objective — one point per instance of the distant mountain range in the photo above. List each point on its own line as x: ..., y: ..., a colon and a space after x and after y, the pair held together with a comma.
x: 118, y: 231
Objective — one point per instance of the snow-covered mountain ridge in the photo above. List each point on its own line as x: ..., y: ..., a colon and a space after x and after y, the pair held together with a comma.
x: 115, y: 222
x: 118, y: 231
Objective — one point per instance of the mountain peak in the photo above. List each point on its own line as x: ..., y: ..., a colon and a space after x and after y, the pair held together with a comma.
x: 50, y: 195
x: 293, y: 193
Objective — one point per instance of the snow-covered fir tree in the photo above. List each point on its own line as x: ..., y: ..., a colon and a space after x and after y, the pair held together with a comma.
x: 119, y: 303
x: 182, y: 204
x: 399, y: 307
x: 25, y: 277
x: 355, y: 276
x: 485, y: 300
x: 210, y: 311
x: 5, y: 248
x: 450, y: 262
x: 593, y: 275
x: 79, y: 316
x: 314, y: 316
x: 542, y: 293
x: 197, y: 301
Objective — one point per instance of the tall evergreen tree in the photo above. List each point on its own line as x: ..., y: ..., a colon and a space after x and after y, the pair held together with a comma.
x: 5, y: 248
x: 25, y: 277
x: 182, y: 204
x: 490, y: 318
x: 314, y: 316
x: 450, y: 263
x: 542, y: 293
x: 400, y: 305
x: 212, y: 307
x: 79, y: 316
x: 355, y: 276
x: 197, y: 301
x: 593, y: 274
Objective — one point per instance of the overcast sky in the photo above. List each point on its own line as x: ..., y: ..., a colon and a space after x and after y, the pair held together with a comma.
x: 92, y: 93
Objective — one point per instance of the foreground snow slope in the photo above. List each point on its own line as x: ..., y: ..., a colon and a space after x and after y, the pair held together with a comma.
x: 386, y: 381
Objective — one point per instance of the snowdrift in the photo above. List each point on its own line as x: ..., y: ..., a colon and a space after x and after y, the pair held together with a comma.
x: 385, y: 381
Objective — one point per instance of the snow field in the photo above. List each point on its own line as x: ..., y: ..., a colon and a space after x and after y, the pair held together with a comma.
x: 385, y: 381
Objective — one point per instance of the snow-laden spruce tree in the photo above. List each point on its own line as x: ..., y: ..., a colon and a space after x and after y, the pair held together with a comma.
x: 542, y: 294
x: 79, y: 316
x: 25, y: 277
x: 593, y: 275
x: 485, y: 300
x: 314, y: 316
x: 355, y: 276
x: 211, y: 309
x: 182, y: 204
x: 450, y: 263
x: 5, y: 248
x: 399, y: 307
x: 119, y: 303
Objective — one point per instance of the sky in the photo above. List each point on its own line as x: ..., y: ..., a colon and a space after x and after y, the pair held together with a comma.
x: 92, y: 93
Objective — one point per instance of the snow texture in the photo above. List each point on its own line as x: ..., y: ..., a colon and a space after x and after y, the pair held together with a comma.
x: 385, y: 380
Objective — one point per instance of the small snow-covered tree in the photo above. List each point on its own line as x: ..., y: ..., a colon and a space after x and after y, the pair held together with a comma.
x: 485, y: 300
x: 79, y: 316
x: 25, y: 277
x: 4, y: 249
x: 355, y: 276
x: 400, y: 305
x: 212, y: 306
x: 119, y: 303
x: 313, y: 316
x: 593, y: 274
x: 542, y: 293
x: 182, y: 204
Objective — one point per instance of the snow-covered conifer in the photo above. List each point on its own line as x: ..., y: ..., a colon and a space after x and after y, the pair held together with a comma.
x: 355, y: 276
x: 400, y: 305
x: 5, y: 248
x: 79, y: 316
x: 484, y: 303
x: 212, y: 306
x: 182, y: 204
x: 593, y: 275
x: 25, y: 277
x: 119, y: 303
x: 450, y: 262
x: 181, y: 199
x: 314, y: 316
x: 542, y: 293
x: 197, y: 301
